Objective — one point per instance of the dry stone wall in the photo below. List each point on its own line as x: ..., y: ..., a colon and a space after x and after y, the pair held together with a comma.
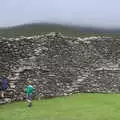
x: 58, y: 65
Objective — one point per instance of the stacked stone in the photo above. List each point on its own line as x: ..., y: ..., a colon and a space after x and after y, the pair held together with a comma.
x: 57, y: 65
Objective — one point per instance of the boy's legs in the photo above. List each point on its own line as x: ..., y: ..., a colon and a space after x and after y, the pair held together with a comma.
x: 29, y: 100
x: 3, y: 93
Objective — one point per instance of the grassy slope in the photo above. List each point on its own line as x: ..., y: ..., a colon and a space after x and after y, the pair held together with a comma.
x: 76, y: 107
x: 38, y: 28
x: 35, y: 29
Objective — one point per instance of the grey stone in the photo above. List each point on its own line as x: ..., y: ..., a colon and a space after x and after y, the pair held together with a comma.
x: 60, y: 65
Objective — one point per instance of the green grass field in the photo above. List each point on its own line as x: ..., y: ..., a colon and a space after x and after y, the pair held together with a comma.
x: 75, y: 107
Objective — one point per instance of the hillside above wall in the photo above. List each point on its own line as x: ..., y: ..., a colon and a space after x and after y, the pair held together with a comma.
x: 66, y: 29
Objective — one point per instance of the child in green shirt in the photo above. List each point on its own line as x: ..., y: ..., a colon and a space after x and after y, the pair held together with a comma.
x: 29, y: 92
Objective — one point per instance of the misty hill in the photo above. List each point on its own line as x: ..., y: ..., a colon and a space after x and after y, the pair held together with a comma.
x: 39, y: 28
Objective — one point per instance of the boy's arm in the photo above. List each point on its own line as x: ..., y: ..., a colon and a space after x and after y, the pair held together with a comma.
x: 25, y: 90
x: 9, y: 84
x: 33, y: 90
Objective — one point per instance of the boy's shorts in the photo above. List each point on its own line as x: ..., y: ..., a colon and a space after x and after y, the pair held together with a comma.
x: 29, y: 97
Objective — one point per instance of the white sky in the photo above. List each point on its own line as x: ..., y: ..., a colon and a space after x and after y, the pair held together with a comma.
x: 101, y: 13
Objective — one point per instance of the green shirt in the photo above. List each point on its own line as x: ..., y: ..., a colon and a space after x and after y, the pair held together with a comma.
x: 29, y: 89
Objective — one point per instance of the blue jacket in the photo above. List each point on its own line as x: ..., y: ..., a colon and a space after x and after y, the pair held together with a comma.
x: 5, y: 83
